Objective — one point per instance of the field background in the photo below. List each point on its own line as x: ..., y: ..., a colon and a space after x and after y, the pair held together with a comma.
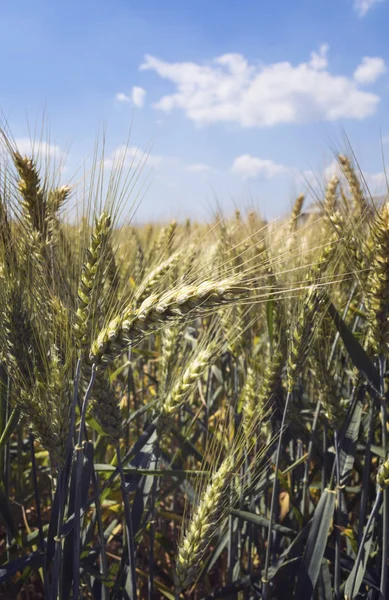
x: 192, y: 410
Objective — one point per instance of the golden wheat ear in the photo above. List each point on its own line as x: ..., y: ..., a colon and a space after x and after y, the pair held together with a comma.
x: 134, y: 324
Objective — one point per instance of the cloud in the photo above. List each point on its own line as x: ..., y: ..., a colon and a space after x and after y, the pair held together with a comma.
x: 319, y: 60
x: 137, y: 96
x: 40, y: 149
x: 120, y: 97
x: 251, y: 167
x: 198, y: 168
x: 362, y: 7
x: 377, y: 182
x: 370, y: 69
x: 229, y: 89
x: 132, y: 157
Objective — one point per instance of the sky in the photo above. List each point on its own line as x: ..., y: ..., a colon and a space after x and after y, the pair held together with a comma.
x: 222, y: 105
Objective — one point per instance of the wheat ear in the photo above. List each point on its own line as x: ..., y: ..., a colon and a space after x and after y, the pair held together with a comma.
x: 184, y: 386
x: 202, y: 527
x: 88, y: 278
x: 378, y: 285
x: 134, y: 324
x: 33, y: 197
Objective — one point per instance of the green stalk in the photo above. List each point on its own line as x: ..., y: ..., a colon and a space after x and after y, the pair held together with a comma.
x: 366, y: 472
x: 385, y: 516
x: 77, y: 501
x: 338, y: 521
x: 304, y: 505
x: 132, y: 594
x: 373, y: 513
x: 265, y: 579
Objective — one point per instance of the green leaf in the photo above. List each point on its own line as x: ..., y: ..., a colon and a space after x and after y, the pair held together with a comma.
x: 262, y: 522
x: 316, y: 545
x: 348, y: 444
x: 357, y: 574
x: 324, y: 583
x: 358, y: 355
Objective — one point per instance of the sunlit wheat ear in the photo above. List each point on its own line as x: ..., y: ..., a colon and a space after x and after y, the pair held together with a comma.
x: 98, y: 271
x: 296, y: 212
x: 162, y: 246
x: 106, y: 407
x: 184, y: 386
x: 331, y: 198
x: 302, y: 334
x: 7, y: 242
x: 378, y: 285
x: 170, y: 343
x: 268, y: 384
x: 88, y: 278
x: 357, y: 248
x: 132, y: 325
x: 154, y: 277
x: 55, y: 200
x: 358, y: 198
x: 111, y: 279
x: 202, y: 526
x: 57, y: 197
x: 33, y: 196
x: 17, y: 337
x: 214, y: 503
x: 251, y: 406
x: 327, y: 255
x: 36, y: 292
x: 51, y: 414
x: 39, y: 383
x: 324, y: 374
x: 139, y: 266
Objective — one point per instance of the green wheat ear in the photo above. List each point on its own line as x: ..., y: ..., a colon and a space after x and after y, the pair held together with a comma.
x: 134, y: 324
x: 88, y: 280
x: 378, y: 285
x: 202, y: 526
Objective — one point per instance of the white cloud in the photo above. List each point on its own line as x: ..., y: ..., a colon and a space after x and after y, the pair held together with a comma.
x: 377, y: 182
x: 333, y: 168
x: 134, y: 157
x: 251, y: 167
x: 197, y: 168
x: 362, y: 7
x: 120, y: 97
x: 229, y: 89
x: 137, y: 96
x: 370, y: 69
x: 40, y: 149
x: 319, y: 60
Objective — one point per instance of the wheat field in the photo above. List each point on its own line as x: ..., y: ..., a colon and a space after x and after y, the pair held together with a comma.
x: 191, y: 410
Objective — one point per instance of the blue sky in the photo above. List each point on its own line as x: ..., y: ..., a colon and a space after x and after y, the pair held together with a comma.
x: 242, y: 102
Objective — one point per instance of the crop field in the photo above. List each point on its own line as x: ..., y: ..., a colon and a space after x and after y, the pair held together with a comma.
x: 191, y: 410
